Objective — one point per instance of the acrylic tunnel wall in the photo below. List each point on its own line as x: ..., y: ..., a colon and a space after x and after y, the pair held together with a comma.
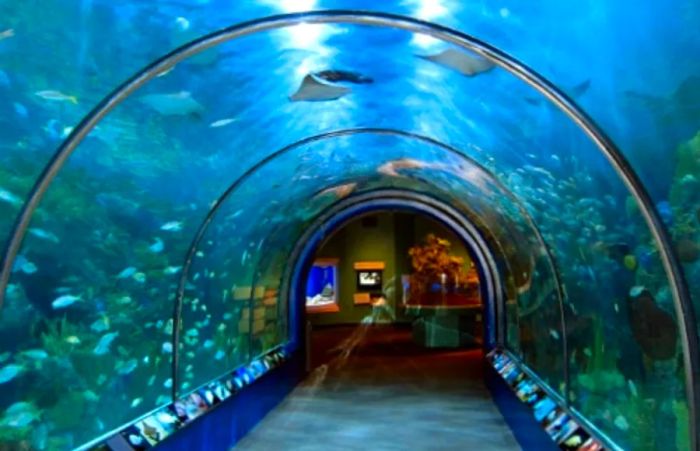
x: 180, y: 199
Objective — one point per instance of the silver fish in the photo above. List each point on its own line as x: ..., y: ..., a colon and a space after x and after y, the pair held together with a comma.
x: 104, y: 344
x: 172, y: 226
x: 9, y: 372
x: 9, y: 197
x: 65, y: 301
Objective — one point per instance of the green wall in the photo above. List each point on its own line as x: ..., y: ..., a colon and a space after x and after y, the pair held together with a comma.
x: 389, y: 242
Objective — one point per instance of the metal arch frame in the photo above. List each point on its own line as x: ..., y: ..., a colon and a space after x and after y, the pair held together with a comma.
x: 349, y: 208
x: 685, y: 315
x: 203, y: 227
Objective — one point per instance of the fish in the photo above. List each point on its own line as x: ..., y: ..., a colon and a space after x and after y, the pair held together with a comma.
x: 219, y: 355
x: 313, y: 90
x: 126, y: 272
x: 461, y: 61
x: 688, y: 250
x: 172, y: 226
x: 173, y: 104
x: 126, y: 367
x: 654, y: 329
x: 100, y: 325
x: 43, y: 234
x: 104, y: 344
x: 139, y: 277
x: 335, y: 76
x: 172, y: 270
x: 182, y: 23
x: 91, y: 396
x: 390, y: 168
x: 24, y: 265
x: 636, y: 290
x: 10, y: 32
x: 574, y: 91
x: 72, y: 339
x: 136, y: 402
x: 157, y: 247
x: 56, y: 96
x: 621, y: 423
x: 21, y: 414
x: 167, y: 347
x: 208, y: 344
x: 632, y: 387
x: 9, y: 372
x: 65, y: 301
x: 124, y: 300
x: 29, y: 268
x: 222, y: 122
x: 683, y: 102
x: 35, y: 354
x: 616, y: 251
x: 10, y: 198
x: 168, y: 383
x: 340, y: 191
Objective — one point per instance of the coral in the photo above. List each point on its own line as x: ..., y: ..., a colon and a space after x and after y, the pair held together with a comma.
x: 56, y: 338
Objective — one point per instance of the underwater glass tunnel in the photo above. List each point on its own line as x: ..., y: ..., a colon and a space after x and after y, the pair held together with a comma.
x: 169, y: 167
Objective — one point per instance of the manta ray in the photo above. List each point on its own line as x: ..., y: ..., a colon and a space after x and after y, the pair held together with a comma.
x: 314, y: 90
x: 173, y: 104
x: 461, y: 61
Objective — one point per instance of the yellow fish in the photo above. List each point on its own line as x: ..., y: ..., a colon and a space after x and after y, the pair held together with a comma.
x: 73, y: 340
x: 56, y: 96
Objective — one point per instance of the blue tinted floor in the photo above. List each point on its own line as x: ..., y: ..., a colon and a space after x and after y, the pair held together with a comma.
x: 378, y: 390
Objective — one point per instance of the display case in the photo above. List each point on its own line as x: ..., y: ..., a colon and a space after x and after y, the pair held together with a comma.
x: 322, y: 286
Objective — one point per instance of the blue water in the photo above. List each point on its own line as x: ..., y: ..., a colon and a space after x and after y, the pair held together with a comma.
x: 114, y: 227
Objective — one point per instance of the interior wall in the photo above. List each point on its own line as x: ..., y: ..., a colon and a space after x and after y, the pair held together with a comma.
x: 389, y: 241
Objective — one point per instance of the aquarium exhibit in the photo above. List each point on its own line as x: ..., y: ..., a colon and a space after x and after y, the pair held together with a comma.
x: 170, y: 168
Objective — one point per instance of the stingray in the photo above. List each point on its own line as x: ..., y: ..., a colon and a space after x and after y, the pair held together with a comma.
x: 174, y: 104
x: 683, y: 103
x: 335, y: 76
x: 573, y: 92
x: 653, y: 328
x: 313, y: 90
x: 463, y: 62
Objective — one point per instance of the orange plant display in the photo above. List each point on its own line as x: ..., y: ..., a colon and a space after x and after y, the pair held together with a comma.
x: 434, y: 266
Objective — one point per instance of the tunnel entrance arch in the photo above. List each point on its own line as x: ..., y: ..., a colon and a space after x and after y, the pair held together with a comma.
x: 490, y: 283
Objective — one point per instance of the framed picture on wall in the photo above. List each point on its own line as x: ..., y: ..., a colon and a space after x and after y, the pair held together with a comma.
x: 369, y: 280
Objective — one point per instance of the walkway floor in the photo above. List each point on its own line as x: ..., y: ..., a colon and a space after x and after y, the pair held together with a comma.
x: 386, y: 393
